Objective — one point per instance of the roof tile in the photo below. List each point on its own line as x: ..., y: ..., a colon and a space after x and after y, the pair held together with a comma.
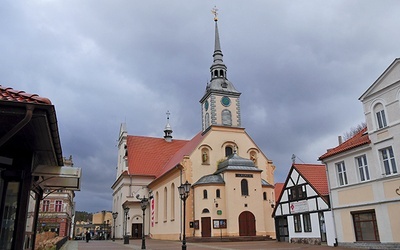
x: 315, y: 175
x: 359, y: 139
x: 12, y: 95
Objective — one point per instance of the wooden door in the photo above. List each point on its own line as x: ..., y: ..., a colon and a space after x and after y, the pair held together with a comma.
x: 137, y: 230
x: 206, y: 226
x: 247, y: 224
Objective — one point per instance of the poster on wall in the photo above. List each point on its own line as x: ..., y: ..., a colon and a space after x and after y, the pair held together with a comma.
x: 221, y: 223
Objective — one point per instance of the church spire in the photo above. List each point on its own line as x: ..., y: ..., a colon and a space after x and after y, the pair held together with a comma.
x: 218, y: 68
x: 220, y: 102
x: 168, y: 129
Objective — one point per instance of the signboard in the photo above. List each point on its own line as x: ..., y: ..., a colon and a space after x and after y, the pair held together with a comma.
x: 244, y: 175
x: 299, y: 207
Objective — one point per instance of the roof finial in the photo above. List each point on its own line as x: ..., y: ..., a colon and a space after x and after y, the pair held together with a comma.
x: 215, y: 12
x: 293, y: 158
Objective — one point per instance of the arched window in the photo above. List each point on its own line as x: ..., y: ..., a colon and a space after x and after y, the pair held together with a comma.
x: 217, y: 193
x: 173, y: 201
x: 379, y: 111
x: 165, y: 203
x: 265, y: 196
x: 205, y: 195
x: 221, y: 73
x: 205, y: 211
x: 245, y: 187
x: 226, y: 117
x: 215, y: 73
x: 228, y: 151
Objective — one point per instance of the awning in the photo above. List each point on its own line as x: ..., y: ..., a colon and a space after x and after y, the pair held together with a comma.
x: 56, y: 177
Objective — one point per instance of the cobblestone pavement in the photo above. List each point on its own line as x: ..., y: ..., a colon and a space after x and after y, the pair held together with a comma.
x: 161, y: 244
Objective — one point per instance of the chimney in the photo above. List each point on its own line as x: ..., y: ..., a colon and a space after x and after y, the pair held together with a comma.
x: 340, y: 140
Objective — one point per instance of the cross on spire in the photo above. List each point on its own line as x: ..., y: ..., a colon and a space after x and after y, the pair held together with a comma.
x: 215, y: 13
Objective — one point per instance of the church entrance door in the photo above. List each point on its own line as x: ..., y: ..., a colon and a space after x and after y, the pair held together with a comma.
x: 247, y: 224
x: 205, y: 226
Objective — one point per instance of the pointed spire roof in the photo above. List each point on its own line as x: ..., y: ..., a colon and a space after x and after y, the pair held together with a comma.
x: 219, y: 81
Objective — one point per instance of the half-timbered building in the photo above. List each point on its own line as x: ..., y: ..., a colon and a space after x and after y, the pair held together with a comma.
x: 302, y: 212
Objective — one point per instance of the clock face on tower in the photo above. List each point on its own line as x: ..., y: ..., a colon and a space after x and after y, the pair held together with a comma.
x: 225, y: 101
x: 206, y: 105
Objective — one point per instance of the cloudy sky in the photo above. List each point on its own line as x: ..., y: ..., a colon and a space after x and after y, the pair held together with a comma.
x: 300, y: 65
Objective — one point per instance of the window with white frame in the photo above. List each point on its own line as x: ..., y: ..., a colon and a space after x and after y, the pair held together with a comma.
x: 58, y: 206
x: 380, y: 116
x: 341, y: 173
x: 297, y: 223
x: 388, y: 161
x: 46, y: 206
x: 362, y: 165
x: 307, y: 223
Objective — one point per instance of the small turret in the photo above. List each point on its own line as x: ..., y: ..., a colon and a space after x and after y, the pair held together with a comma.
x: 168, y: 130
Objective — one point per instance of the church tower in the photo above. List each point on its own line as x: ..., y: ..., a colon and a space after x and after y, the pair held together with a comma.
x: 220, y: 104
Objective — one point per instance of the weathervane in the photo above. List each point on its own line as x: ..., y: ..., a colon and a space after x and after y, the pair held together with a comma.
x: 215, y: 12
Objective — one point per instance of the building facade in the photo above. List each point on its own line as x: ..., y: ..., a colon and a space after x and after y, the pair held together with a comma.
x: 57, y: 209
x: 232, y: 192
x: 363, y: 171
x: 302, y: 213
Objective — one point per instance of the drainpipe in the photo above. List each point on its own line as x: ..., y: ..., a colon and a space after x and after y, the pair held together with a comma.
x: 19, y: 126
x: 180, y: 208
x: 335, y: 244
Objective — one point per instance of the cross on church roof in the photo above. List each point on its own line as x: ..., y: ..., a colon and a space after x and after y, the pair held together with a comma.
x: 215, y: 12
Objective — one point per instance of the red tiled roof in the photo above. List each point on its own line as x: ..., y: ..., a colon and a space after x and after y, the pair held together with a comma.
x: 359, y: 139
x: 278, y: 190
x: 178, y: 156
x: 315, y: 175
x: 148, y: 155
x: 12, y: 95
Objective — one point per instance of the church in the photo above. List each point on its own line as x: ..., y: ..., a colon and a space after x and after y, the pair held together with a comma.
x: 231, y: 180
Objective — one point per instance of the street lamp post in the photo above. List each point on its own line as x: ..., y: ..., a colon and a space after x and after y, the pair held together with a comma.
x: 126, y: 236
x: 143, y: 203
x: 114, y: 215
x: 184, y: 190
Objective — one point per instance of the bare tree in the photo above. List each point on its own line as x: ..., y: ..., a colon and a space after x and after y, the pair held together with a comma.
x: 354, y: 130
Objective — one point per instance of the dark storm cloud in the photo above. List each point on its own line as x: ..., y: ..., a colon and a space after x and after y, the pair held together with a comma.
x: 300, y: 65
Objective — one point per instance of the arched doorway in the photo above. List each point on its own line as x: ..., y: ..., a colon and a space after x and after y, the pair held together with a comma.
x: 247, y: 224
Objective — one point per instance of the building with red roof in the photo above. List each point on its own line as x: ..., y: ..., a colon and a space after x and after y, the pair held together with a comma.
x: 363, y: 171
x: 231, y: 179
x: 302, y: 212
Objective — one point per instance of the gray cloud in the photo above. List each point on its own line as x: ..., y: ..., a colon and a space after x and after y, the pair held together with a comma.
x: 301, y: 66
